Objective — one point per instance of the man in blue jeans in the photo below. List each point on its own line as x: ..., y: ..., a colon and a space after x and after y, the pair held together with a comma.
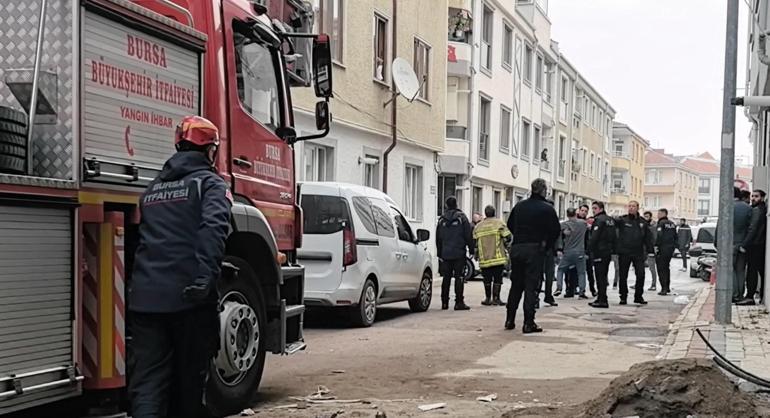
x: 572, y: 251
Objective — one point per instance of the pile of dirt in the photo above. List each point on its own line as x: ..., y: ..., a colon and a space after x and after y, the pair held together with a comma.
x: 664, y: 389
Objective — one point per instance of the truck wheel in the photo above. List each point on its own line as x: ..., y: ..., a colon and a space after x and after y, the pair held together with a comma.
x: 12, y: 164
x: 363, y: 315
x: 13, y: 116
x: 421, y: 302
x: 237, y: 369
x: 469, y: 270
x: 13, y: 150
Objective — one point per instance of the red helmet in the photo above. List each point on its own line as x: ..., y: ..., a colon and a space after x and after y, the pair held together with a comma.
x: 198, y: 131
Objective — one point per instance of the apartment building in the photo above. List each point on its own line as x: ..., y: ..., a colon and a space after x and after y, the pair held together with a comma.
x: 669, y: 184
x: 357, y: 145
x: 627, y: 170
x: 707, y: 169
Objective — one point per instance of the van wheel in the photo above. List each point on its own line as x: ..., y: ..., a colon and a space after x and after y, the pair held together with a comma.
x: 237, y: 369
x: 363, y: 315
x: 693, y: 273
x: 421, y: 302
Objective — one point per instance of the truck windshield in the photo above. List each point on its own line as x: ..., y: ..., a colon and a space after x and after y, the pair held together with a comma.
x: 256, y: 76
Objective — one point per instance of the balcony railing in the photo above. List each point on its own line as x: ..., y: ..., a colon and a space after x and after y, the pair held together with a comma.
x: 703, y: 212
x: 619, y: 190
x: 704, y: 190
x: 621, y: 154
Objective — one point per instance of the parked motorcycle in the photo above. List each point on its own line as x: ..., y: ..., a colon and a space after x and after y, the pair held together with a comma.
x: 704, y: 264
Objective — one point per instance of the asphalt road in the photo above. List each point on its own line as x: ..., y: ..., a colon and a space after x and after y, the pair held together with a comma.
x: 406, y: 360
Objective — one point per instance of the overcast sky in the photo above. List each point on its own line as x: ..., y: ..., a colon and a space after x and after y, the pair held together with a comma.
x: 659, y: 63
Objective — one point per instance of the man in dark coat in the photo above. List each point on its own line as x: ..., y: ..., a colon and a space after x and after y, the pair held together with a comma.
x: 535, y: 227
x: 602, y: 246
x: 634, y: 244
x: 754, y: 244
x: 454, y: 240
x: 666, y: 242
x: 684, y: 240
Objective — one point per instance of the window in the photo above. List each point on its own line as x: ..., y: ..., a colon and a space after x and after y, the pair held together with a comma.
x: 593, y: 116
x: 484, y: 122
x: 319, y: 163
x: 413, y: 191
x: 528, y: 64
x: 562, y: 156
x: 525, y: 130
x: 505, y: 129
x: 507, y: 46
x: 539, y: 74
x: 447, y: 186
x: 256, y: 80
x: 498, y: 203
x: 384, y: 223
x: 487, y: 27
x: 323, y: 215
x: 584, y: 158
x: 372, y: 171
x: 380, y: 48
x: 593, y: 165
x: 332, y: 22
x: 703, y: 207
x: 363, y: 208
x: 422, y: 66
x: 652, y: 176
x: 477, y: 203
x: 548, y: 82
x: 536, y: 148
x: 600, y: 122
x: 564, y: 91
x: 403, y: 228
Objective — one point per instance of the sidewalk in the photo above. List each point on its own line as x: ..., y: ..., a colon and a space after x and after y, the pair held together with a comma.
x: 746, y: 342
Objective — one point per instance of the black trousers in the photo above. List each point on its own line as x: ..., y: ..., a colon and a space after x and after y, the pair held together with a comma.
x: 590, y: 272
x: 663, y: 262
x: 549, y: 270
x: 527, y: 262
x: 755, y: 270
x: 493, y: 274
x: 169, y: 355
x: 450, y: 269
x: 625, y: 262
x: 601, y: 269
x: 683, y: 252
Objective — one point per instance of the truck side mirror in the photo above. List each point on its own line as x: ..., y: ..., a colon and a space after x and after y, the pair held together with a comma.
x: 322, y: 66
x: 322, y: 115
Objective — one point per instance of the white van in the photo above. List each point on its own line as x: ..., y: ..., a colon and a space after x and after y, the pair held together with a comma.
x: 359, y: 251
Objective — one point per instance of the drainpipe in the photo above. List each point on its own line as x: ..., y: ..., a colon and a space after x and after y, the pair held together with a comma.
x: 393, y: 104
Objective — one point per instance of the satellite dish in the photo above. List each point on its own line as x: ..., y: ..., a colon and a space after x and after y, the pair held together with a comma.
x: 405, y: 79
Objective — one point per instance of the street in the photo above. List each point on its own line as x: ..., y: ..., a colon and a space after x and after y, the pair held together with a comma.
x: 406, y: 360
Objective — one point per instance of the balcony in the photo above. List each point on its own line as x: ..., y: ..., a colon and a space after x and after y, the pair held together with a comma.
x: 704, y: 190
x: 459, y: 59
x: 620, y: 190
x: 620, y: 161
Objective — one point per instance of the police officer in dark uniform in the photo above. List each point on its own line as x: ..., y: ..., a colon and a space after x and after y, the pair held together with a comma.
x: 535, y: 227
x: 666, y: 242
x: 634, y: 243
x: 602, y: 243
x: 173, y: 317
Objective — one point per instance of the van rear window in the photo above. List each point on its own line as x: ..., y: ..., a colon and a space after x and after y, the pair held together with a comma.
x: 324, y: 214
x: 706, y: 235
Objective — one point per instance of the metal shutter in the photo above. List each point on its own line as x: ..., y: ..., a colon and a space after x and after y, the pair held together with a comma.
x: 36, y: 288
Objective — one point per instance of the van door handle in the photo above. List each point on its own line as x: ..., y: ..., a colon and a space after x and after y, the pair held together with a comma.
x: 242, y: 162
x: 398, y: 255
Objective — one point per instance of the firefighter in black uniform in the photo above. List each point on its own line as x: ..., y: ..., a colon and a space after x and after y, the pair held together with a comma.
x: 172, y: 297
x: 634, y: 244
x: 665, y: 242
x: 603, y: 236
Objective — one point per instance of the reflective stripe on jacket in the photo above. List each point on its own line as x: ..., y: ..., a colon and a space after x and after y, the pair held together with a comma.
x: 490, y: 235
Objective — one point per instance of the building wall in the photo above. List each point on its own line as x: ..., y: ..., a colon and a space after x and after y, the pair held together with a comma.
x: 676, y: 191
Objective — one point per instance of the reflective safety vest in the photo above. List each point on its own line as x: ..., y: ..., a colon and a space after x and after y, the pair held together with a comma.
x: 490, y: 235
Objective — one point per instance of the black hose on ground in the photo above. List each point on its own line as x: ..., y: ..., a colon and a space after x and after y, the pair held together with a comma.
x: 726, y: 364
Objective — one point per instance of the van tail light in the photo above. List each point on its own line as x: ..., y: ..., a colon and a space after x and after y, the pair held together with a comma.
x: 349, y: 248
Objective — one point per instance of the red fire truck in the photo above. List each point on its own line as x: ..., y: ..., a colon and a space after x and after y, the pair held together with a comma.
x: 113, y: 78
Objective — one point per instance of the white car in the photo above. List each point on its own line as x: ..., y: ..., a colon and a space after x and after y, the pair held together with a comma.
x: 359, y: 251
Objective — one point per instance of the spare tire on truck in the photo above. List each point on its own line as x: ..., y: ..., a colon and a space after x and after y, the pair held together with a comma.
x: 237, y: 369
x: 13, y: 141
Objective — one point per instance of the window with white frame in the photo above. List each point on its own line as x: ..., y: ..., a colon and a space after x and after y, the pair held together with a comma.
x: 593, y: 165
x: 505, y: 129
x: 528, y: 64
x: 525, y: 138
x: 539, y: 74
x: 549, y: 82
x: 319, y: 162
x: 484, y: 125
x: 584, y: 157
x: 536, y: 144
x: 333, y: 23
x: 652, y: 176
x: 562, y: 157
x: 703, y: 207
x: 381, y: 48
x: 413, y: 191
x: 372, y: 171
x: 422, y: 66
x: 487, y: 32
x: 507, y: 46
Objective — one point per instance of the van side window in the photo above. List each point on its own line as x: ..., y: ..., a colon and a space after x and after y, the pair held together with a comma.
x: 384, y: 222
x: 256, y: 79
x: 324, y: 215
x: 364, y: 210
x: 404, y: 230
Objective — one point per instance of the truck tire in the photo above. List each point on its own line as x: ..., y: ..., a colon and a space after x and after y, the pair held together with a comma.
x: 13, y: 139
x: 13, y: 116
x: 237, y: 370
x: 7, y: 127
x: 13, y: 150
x: 364, y: 314
x: 12, y: 164
x: 421, y: 302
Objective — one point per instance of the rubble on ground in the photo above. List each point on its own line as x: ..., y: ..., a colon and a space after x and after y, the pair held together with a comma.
x: 663, y: 389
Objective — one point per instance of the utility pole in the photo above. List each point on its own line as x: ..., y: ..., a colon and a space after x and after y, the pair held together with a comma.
x: 724, y: 295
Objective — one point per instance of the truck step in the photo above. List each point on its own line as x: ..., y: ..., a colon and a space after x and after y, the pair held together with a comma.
x: 294, y: 310
x: 295, y: 347
x: 291, y: 272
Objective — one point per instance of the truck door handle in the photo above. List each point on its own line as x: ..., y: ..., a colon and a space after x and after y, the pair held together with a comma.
x: 242, y: 162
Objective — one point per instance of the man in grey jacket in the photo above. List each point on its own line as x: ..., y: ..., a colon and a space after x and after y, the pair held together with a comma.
x: 741, y: 222
x: 572, y: 251
x: 651, y: 259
